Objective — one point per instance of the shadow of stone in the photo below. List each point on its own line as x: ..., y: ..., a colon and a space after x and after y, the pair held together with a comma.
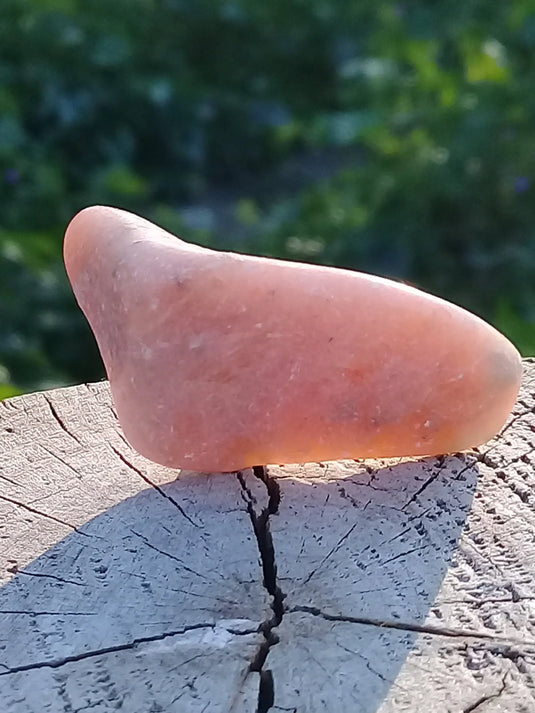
x: 361, y: 556
x: 147, y: 610
x: 120, y: 613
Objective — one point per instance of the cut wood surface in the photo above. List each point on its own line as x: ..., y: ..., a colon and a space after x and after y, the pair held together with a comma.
x: 375, y: 586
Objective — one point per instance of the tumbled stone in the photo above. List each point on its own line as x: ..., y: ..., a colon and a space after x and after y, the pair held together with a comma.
x: 218, y: 361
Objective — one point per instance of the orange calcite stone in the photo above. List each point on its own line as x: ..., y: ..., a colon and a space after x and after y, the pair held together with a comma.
x: 219, y: 361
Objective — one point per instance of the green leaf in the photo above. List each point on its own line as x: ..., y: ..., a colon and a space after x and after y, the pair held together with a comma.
x: 123, y: 181
x: 7, y: 391
x: 519, y: 330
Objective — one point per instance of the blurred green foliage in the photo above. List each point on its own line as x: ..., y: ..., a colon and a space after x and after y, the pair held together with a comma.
x: 391, y: 137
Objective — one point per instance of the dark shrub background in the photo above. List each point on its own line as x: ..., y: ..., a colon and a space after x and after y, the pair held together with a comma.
x: 390, y: 137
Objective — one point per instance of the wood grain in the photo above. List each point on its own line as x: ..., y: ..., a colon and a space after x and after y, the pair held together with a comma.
x: 374, y: 586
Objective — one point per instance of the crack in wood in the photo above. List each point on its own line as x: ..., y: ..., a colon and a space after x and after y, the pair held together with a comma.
x: 414, y: 628
x: 490, y: 600
x: 148, y: 543
x: 60, y: 459
x: 58, y: 663
x: 484, y: 699
x: 513, y: 420
x: 367, y: 664
x: 436, y: 474
x: 29, y: 508
x: 48, y: 576
x: 160, y: 490
x: 13, y: 482
x: 400, y: 555
x: 504, y: 466
x: 262, y: 531
x: 60, y: 421
x: 332, y: 551
x: 47, y: 613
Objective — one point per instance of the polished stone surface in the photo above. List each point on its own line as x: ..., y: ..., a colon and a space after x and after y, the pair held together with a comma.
x: 218, y: 361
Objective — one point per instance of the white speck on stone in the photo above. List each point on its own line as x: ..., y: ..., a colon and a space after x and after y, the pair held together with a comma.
x: 196, y: 342
x: 296, y: 368
x: 427, y: 424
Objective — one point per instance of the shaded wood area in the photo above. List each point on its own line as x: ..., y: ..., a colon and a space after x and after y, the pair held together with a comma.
x: 375, y: 586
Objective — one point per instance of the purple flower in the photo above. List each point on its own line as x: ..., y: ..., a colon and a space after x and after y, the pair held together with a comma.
x: 11, y: 176
x: 522, y: 184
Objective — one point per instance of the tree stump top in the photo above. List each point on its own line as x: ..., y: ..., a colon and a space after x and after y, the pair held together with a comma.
x: 370, y: 586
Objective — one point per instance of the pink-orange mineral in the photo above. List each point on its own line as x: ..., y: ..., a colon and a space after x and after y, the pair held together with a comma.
x: 219, y: 361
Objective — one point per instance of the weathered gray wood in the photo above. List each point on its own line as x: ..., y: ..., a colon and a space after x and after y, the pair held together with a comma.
x: 128, y: 587
x: 358, y: 587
